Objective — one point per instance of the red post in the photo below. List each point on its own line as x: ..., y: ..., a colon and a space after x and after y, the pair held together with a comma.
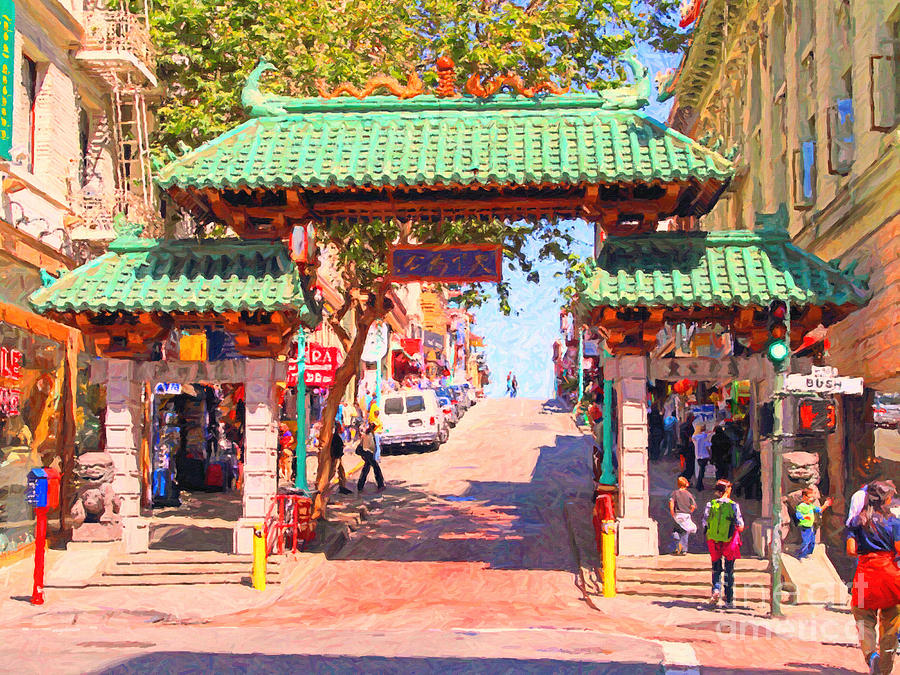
x: 40, y: 547
x: 280, y: 524
x: 296, y: 504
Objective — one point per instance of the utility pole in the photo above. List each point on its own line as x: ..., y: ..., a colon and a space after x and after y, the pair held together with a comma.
x: 580, y: 368
x: 300, y: 456
x: 777, y: 464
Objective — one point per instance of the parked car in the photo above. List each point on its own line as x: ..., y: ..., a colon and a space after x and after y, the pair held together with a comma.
x: 462, y: 395
x: 446, y: 392
x: 450, y: 411
x: 886, y: 409
x: 413, y: 417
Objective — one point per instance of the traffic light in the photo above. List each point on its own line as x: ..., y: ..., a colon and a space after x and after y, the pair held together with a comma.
x: 777, y: 349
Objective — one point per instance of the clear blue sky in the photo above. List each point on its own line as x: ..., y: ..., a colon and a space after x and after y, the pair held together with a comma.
x: 522, y: 342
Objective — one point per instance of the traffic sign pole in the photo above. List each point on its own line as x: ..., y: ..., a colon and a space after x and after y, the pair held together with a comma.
x: 40, y: 548
x: 300, y: 455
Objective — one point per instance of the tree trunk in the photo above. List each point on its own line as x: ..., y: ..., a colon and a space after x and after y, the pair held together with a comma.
x: 346, y: 371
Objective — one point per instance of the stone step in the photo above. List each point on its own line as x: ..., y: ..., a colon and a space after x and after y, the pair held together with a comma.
x: 225, y: 568
x: 199, y: 557
x: 171, y: 580
x: 689, y: 562
x: 688, y: 577
x: 742, y: 594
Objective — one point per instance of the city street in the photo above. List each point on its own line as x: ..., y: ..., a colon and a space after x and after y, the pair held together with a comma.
x: 463, y: 564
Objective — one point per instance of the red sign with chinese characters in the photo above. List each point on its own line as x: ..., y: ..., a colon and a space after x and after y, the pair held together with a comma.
x: 321, y: 365
x: 10, y: 369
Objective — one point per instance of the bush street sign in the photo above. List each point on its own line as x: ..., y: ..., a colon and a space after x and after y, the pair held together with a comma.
x: 823, y: 380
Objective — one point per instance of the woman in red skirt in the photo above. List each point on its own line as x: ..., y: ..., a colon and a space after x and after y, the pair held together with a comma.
x: 874, y: 535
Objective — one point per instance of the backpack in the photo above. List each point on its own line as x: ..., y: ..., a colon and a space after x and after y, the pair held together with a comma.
x: 721, y: 521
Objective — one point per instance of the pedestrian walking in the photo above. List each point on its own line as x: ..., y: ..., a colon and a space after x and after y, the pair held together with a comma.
x: 874, y: 536
x: 723, y: 524
x: 701, y: 441
x: 806, y: 513
x: 366, y: 450
x: 686, y: 447
x: 720, y: 452
x: 509, y: 384
x: 377, y: 427
x: 515, y: 387
x: 681, y: 506
x: 654, y: 432
x: 670, y: 433
x: 337, y: 456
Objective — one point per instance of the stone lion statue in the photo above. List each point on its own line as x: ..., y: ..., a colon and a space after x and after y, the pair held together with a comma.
x: 96, y: 503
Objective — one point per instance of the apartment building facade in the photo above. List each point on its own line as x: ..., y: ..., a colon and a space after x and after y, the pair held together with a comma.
x: 806, y: 95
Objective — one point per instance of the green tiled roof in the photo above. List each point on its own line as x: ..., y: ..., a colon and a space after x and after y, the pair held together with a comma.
x: 427, y: 141
x: 149, y: 275
x: 738, y: 268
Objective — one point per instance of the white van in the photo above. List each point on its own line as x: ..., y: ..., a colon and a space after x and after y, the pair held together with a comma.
x: 413, y: 417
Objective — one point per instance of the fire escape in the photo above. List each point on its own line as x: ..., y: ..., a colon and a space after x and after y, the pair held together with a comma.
x: 117, y: 50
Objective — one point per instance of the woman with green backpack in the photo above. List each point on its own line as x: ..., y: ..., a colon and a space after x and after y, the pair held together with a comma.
x: 723, y: 524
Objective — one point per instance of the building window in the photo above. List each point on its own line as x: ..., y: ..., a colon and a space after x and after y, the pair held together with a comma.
x: 841, y: 144
x: 84, y: 146
x: 30, y: 84
x: 804, y: 168
x: 884, y: 84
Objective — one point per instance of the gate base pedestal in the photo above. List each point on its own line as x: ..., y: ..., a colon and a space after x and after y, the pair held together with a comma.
x: 638, y: 537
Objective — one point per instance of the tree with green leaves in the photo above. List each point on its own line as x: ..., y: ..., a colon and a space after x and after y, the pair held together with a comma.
x: 209, y: 48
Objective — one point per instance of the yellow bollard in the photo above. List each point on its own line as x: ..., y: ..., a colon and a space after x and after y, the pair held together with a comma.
x: 608, y: 555
x: 258, y: 573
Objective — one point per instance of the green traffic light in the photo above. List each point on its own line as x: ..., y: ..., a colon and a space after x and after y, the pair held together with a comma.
x: 777, y: 351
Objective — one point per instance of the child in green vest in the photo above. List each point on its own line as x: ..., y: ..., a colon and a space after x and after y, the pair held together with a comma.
x: 806, y: 513
x: 723, y: 524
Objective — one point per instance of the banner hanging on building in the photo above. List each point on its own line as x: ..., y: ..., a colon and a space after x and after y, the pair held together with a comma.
x: 7, y: 68
x: 458, y: 263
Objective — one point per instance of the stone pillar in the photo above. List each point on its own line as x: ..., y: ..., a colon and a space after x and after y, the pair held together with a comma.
x: 260, y: 450
x: 123, y: 443
x: 637, y: 531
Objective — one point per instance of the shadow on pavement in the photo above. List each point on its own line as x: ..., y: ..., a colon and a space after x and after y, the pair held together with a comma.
x: 196, y: 662
x: 508, y: 525
x: 185, y: 662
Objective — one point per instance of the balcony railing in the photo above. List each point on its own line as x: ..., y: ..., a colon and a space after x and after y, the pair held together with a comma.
x: 119, y: 31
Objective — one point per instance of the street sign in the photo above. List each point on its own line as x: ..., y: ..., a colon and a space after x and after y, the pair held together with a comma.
x: 376, y: 343
x: 7, y: 77
x: 823, y: 380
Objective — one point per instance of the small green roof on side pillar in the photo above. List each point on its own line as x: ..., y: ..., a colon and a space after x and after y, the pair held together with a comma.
x: 148, y: 275
x: 729, y: 269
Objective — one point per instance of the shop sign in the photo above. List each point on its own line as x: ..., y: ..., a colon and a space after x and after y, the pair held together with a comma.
x: 433, y: 341
x: 704, y: 413
x: 10, y: 369
x: 458, y: 263
x: 167, y: 388
x: 7, y: 68
x: 318, y: 378
x: 376, y: 343
x: 10, y: 363
x: 823, y: 380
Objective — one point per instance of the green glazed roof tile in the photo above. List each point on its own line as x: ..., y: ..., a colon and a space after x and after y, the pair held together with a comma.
x: 739, y: 268
x: 147, y: 275
x: 428, y: 141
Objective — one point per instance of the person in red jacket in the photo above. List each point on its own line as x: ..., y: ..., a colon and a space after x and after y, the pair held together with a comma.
x: 874, y: 536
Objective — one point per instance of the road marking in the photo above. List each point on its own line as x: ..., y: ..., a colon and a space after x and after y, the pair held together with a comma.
x: 679, y: 657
